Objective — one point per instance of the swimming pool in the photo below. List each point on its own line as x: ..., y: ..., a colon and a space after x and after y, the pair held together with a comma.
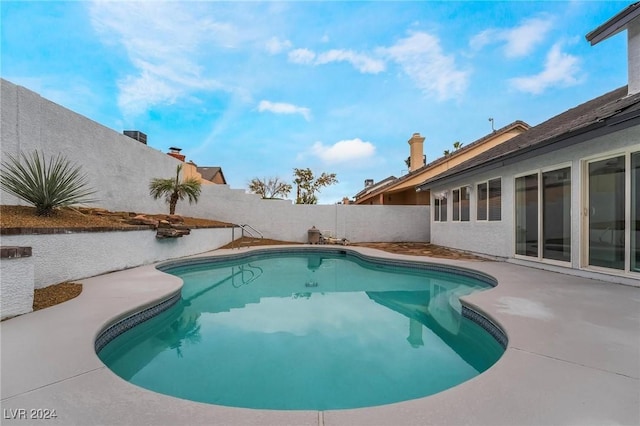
x: 311, y: 329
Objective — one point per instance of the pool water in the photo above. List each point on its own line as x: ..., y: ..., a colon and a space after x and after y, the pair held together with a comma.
x: 309, y: 331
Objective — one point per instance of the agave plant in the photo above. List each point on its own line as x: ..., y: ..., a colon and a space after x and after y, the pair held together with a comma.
x: 44, y: 184
x: 173, y: 190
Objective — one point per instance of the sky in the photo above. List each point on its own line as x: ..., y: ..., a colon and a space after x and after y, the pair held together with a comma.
x: 261, y: 88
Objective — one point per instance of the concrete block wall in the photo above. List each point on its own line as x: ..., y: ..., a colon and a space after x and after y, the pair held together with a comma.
x: 120, y: 168
x: 16, y: 281
x: 65, y: 257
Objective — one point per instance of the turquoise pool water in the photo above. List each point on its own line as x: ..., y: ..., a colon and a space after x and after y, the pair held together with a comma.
x: 306, y: 331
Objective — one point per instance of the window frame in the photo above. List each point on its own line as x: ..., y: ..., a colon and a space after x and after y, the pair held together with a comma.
x: 460, y: 206
x: 540, y: 188
x: 439, y: 208
x: 487, y: 200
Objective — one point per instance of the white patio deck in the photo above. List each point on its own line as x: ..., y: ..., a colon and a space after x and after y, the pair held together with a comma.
x: 573, y: 358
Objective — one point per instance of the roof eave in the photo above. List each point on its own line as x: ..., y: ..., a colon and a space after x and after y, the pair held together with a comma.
x: 601, y: 128
x: 614, y: 25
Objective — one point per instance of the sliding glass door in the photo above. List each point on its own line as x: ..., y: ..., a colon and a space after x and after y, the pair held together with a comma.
x: 635, y: 211
x: 606, y: 212
x: 543, y: 215
x: 614, y: 212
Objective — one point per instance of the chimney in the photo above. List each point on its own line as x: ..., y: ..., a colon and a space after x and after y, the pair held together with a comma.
x: 416, y: 158
x: 368, y: 183
x: 175, y: 153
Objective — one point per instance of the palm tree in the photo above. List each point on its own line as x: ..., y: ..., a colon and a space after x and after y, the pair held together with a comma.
x: 175, y: 190
x: 44, y: 184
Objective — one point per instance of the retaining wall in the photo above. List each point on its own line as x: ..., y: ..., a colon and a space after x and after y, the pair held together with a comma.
x: 16, y: 281
x: 61, y: 257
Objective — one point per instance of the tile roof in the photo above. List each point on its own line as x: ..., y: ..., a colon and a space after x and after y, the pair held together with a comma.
x: 393, y: 181
x: 378, y: 185
x: 209, y: 173
x: 608, y: 109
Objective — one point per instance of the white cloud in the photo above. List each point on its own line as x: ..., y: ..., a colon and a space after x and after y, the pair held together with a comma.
x: 161, y: 41
x: 275, y: 45
x: 301, y: 56
x: 560, y: 69
x: 422, y: 59
x: 361, y: 62
x: 343, y: 151
x: 284, y: 108
x: 518, y: 41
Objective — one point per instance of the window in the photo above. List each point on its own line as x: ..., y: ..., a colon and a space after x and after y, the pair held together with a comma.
x: 456, y: 205
x: 464, y: 204
x: 461, y: 204
x: 440, y: 207
x: 495, y: 199
x: 543, y: 215
x: 489, y: 200
x: 481, y: 206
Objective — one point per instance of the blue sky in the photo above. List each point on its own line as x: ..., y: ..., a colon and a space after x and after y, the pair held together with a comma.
x: 261, y: 88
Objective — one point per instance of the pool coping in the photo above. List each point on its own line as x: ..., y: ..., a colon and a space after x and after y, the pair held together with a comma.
x: 570, y: 359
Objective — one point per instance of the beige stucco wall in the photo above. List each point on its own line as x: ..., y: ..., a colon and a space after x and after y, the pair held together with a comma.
x: 190, y: 171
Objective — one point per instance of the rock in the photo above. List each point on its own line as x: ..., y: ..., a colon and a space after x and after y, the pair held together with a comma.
x: 174, y: 218
x: 142, y: 220
x: 171, y: 233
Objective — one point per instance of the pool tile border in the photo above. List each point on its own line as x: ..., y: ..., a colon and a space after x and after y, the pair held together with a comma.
x: 127, y: 323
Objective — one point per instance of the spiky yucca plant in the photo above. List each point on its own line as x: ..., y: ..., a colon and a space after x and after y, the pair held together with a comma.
x: 44, y: 184
x: 173, y: 190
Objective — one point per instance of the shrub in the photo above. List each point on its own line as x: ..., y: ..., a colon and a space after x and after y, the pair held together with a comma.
x: 173, y: 189
x: 46, y: 185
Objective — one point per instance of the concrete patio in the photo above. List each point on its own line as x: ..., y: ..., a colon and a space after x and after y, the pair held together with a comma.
x: 573, y: 358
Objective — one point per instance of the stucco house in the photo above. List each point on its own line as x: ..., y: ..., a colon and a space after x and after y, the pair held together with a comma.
x: 401, y: 191
x: 563, y: 195
x: 206, y: 175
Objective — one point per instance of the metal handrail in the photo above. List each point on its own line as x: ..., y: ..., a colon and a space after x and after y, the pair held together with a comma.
x: 249, y: 228
x: 246, y: 227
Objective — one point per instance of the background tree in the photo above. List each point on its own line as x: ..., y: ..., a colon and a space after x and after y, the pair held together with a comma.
x: 271, y: 187
x: 457, y: 145
x: 173, y: 190
x: 307, y: 185
x: 46, y: 185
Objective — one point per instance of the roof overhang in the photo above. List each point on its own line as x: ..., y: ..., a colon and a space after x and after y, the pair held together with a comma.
x: 614, y: 25
x: 587, y: 133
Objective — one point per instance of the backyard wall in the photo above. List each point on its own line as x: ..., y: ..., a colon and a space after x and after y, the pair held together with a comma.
x: 57, y: 258
x: 120, y: 169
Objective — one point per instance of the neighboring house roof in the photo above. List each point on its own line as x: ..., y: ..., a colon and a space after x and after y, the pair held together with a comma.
x: 397, y: 183
x: 376, y: 186
x: 614, y: 25
x: 209, y: 173
x: 605, y: 114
